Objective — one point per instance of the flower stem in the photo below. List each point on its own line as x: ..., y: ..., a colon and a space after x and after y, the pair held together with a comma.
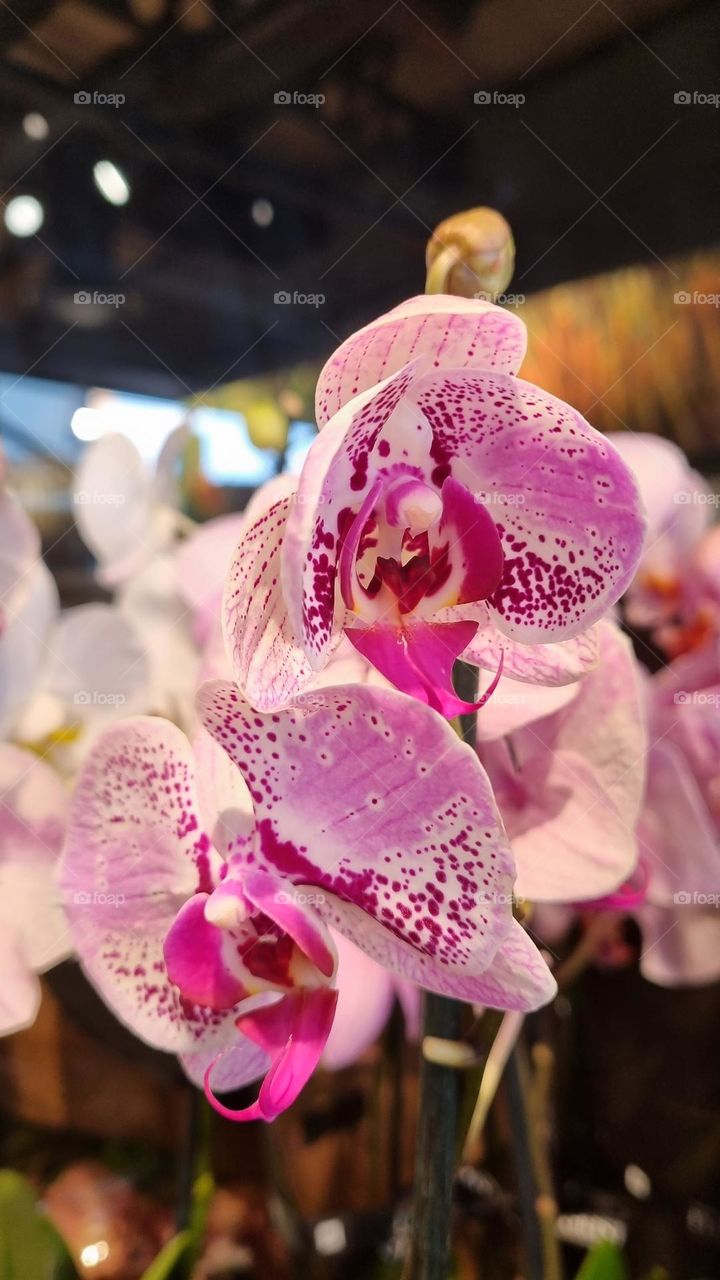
x: 436, y: 1150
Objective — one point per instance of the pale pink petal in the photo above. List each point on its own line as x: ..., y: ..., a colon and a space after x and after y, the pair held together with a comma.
x: 268, y: 663
x: 366, y: 993
x: 238, y: 1065
x: 571, y: 793
x: 134, y: 854
x: 202, y: 564
x: 23, y: 648
x: 565, y: 504
x: 678, y: 836
x: 19, y: 988
x: 559, y: 663
x: 34, y: 809
x: 681, y: 945
x: 97, y: 663
x: 373, y: 801
x: 514, y: 705
x: 19, y: 553
x: 293, y: 1033
x: 456, y: 333
x: 113, y: 505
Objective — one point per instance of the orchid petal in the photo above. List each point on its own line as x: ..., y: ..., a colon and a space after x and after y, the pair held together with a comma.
x: 237, y: 1066
x: 292, y: 1032
x: 113, y: 505
x: 97, y: 663
x: 377, y: 430
x: 566, y: 506
x: 134, y: 855
x: 202, y: 564
x: 19, y: 553
x: 23, y: 649
x: 459, y: 332
x: 572, y: 799
x: 418, y: 659
x: 34, y: 808
x: 19, y: 988
x: 558, y: 663
x: 366, y: 993
x: 267, y: 662
x: 398, y: 823
x: 681, y: 945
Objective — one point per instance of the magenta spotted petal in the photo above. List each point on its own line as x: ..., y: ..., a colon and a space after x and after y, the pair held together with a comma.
x: 455, y: 333
x: 135, y: 853
x: 370, y: 801
x: 566, y: 506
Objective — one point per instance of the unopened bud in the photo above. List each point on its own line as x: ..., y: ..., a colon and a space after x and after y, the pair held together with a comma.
x: 471, y: 254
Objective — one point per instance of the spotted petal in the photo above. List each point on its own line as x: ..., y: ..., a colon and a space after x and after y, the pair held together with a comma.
x: 565, y: 504
x: 268, y: 663
x: 370, y: 798
x: 455, y: 333
x: 134, y: 854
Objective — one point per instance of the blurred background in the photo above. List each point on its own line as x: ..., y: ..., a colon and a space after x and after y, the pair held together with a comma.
x: 199, y: 201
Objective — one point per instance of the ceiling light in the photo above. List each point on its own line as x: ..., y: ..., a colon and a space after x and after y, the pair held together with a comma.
x: 262, y: 212
x: 24, y: 215
x: 111, y: 182
x: 35, y: 126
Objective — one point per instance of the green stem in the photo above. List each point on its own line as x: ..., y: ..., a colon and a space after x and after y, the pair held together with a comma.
x: 436, y: 1150
x: 435, y: 1154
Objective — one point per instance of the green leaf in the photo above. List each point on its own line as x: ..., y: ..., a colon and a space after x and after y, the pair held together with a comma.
x: 604, y: 1262
x: 170, y: 1263
x: 30, y: 1247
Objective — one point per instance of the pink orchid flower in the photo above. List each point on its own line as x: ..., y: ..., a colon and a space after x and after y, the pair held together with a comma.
x: 676, y: 590
x: 223, y: 948
x: 449, y: 509
x: 33, y: 932
x: 674, y: 891
x: 569, y: 785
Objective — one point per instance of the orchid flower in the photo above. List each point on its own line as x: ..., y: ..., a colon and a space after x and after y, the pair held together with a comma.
x: 676, y: 590
x: 450, y: 509
x: 569, y: 785
x: 369, y: 817
x: 33, y: 932
x: 126, y: 515
x: 674, y: 888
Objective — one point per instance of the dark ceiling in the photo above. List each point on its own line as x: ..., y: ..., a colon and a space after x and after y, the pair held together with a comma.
x: 600, y: 165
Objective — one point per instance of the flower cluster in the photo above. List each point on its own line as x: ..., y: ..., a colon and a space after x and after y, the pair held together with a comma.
x: 251, y: 881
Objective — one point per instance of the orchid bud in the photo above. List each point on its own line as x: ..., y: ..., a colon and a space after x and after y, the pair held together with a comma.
x: 471, y: 254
